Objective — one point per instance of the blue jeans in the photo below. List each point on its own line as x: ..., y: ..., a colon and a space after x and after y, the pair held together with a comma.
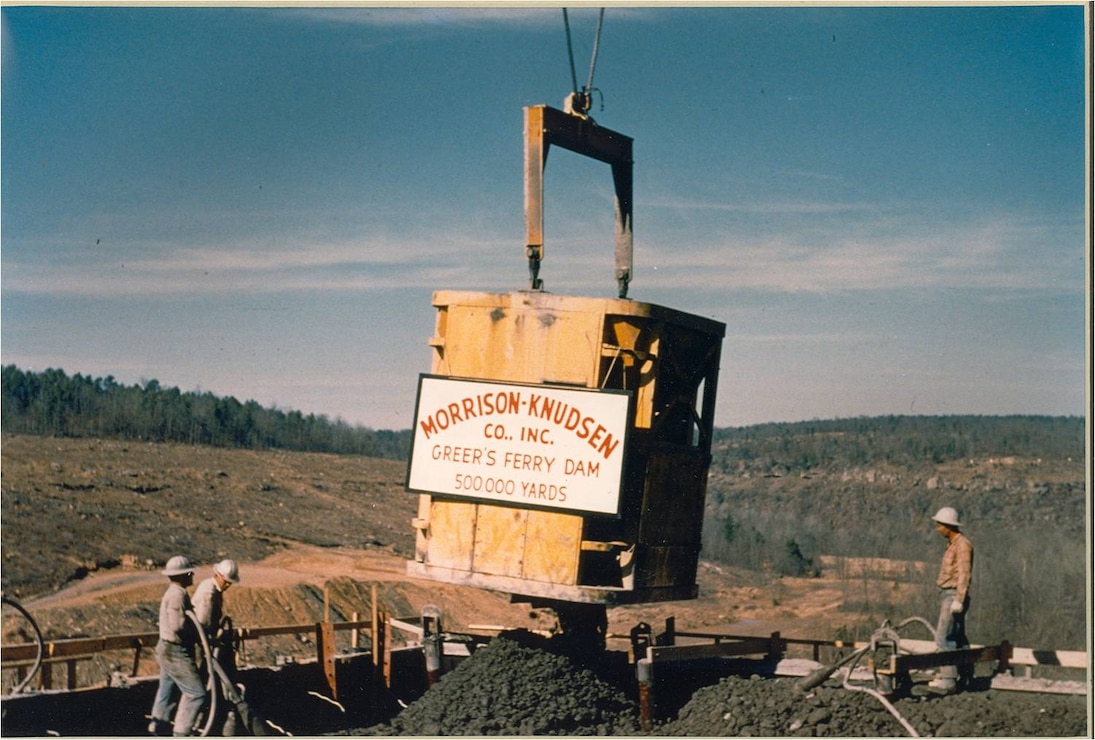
x: 178, y: 672
x: 950, y: 631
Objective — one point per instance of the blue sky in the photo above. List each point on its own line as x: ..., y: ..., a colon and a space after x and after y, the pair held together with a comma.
x: 885, y: 205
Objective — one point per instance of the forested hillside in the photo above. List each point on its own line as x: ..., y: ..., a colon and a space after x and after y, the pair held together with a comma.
x: 52, y: 403
x: 783, y: 496
x: 806, y: 446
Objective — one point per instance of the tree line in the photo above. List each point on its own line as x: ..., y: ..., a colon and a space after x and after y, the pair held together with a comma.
x: 54, y: 403
x: 901, y: 441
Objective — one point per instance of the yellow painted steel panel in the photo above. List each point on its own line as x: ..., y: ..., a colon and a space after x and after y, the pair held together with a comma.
x: 499, y: 540
x: 553, y: 543
x: 669, y: 361
x: 451, y: 533
x: 521, y: 344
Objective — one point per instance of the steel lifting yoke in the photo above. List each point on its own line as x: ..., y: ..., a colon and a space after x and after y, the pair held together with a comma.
x: 545, y: 126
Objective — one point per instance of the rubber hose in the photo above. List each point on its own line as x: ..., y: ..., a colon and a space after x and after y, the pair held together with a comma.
x: 821, y: 675
x: 885, y: 702
x: 38, y: 641
x: 918, y: 620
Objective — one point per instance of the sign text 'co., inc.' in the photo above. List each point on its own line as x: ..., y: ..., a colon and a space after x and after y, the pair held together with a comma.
x: 520, y: 445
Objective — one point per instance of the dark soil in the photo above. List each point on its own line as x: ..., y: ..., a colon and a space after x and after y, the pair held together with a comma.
x: 767, y: 707
x: 517, y: 686
x: 510, y: 688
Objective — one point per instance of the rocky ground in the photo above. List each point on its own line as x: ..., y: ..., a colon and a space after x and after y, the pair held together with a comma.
x: 518, y: 686
x: 758, y: 707
x: 511, y: 687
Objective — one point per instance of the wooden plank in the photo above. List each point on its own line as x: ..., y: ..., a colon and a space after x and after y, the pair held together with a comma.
x: 78, y: 646
x: 570, y: 348
x: 904, y: 663
x: 751, y: 646
x: 251, y: 633
x: 1065, y: 658
x: 1019, y: 655
x: 46, y: 661
x: 659, y: 566
x: 325, y: 654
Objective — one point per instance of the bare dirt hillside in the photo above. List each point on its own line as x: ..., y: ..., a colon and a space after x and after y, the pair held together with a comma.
x: 75, y: 506
x: 88, y: 524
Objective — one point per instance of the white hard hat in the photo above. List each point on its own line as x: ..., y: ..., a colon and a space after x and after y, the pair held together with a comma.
x: 947, y: 515
x: 177, y: 566
x: 228, y: 570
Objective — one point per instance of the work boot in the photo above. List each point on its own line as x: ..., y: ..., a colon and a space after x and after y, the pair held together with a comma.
x: 159, y: 728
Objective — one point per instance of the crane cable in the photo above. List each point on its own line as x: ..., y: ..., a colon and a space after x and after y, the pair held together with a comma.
x: 570, y: 53
x: 585, y: 95
x: 596, y: 46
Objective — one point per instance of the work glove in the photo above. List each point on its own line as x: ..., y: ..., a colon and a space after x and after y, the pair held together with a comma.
x: 956, y: 607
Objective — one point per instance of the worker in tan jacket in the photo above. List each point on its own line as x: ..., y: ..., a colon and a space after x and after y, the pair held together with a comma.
x: 955, y: 574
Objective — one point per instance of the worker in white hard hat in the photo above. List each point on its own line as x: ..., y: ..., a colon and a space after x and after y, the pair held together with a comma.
x: 955, y: 574
x: 209, y: 609
x: 175, y: 652
x: 209, y: 596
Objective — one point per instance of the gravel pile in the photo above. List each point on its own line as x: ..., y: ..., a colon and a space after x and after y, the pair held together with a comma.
x: 514, y: 686
x: 521, y: 685
x: 776, y: 707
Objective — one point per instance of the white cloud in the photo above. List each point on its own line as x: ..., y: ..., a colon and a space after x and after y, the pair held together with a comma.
x: 760, y: 208
x: 872, y: 251
x: 383, y: 15
x: 858, y: 251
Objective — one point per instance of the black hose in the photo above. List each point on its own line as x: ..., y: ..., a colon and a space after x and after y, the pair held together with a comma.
x: 821, y: 675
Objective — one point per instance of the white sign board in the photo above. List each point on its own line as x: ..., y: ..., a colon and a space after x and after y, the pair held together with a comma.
x: 520, y: 445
